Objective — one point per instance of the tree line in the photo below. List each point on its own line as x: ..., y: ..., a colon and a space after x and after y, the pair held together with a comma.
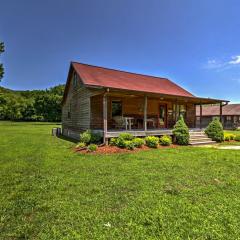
x: 35, y: 105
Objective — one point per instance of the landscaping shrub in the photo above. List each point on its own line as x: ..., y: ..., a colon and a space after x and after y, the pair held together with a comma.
x: 126, y: 136
x: 81, y: 145
x: 226, y: 137
x: 129, y: 144
x: 237, y: 138
x: 181, y: 132
x: 113, y: 142
x: 138, y: 142
x: 232, y: 136
x: 215, y: 130
x: 96, y: 138
x: 165, y: 140
x: 92, y: 148
x: 229, y: 136
x: 152, y: 141
x: 85, y: 137
x: 121, y: 143
x: 121, y: 140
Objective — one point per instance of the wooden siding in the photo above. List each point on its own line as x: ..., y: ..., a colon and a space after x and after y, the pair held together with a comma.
x: 96, y: 112
x: 191, y: 115
x: 78, y: 100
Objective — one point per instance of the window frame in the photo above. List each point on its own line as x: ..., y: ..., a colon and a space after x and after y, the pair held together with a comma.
x: 228, y: 118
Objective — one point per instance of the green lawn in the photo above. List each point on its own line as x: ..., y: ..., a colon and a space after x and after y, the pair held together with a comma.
x: 49, y: 192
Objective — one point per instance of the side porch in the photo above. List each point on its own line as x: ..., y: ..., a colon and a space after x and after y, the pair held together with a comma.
x: 141, y: 114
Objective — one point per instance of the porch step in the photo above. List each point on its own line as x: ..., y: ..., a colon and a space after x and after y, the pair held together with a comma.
x: 202, y: 143
x: 196, y: 133
x: 199, y: 138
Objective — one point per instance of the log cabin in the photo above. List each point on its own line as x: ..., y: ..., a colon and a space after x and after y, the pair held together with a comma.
x: 230, y: 115
x: 109, y: 102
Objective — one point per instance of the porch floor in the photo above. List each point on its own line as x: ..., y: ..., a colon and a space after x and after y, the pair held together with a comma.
x: 142, y: 133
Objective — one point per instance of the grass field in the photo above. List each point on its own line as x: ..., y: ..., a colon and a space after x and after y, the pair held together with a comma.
x: 49, y: 192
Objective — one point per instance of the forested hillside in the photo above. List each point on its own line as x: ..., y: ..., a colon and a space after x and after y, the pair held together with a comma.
x: 35, y: 105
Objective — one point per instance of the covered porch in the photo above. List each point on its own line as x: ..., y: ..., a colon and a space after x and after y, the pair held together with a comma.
x: 143, y: 114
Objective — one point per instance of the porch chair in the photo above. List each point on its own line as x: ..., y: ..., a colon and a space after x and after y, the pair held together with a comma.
x: 119, y: 122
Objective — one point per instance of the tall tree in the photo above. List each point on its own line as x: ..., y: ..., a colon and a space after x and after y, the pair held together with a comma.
x: 1, y: 65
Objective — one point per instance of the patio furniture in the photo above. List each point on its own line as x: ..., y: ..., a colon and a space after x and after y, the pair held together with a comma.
x: 119, y: 122
x: 151, y: 121
x: 129, y: 122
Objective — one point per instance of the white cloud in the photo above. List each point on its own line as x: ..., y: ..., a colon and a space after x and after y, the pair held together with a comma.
x: 219, y: 64
x: 235, y: 60
x: 214, y: 64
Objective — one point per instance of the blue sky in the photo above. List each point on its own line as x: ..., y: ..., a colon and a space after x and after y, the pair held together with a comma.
x: 194, y: 43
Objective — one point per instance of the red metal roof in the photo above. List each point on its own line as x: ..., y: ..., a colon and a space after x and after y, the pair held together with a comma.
x: 109, y: 78
x: 227, y: 110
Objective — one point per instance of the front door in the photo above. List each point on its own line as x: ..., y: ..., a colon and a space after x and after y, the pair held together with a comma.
x: 162, y: 117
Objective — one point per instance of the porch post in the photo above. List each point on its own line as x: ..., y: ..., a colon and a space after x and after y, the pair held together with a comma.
x: 105, y: 140
x: 200, y: 115
x: 221, y: 118
x: 145, y: 113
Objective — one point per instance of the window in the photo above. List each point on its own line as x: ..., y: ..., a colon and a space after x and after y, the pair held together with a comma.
x: 116, y: 108
x: 197, y: 118
x: 75, y: 78
x: 229, y: 118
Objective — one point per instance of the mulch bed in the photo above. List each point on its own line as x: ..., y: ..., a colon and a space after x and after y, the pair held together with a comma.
x: 113, y: 149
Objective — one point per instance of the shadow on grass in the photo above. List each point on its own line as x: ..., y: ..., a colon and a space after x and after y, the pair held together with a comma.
x: 67, y: 139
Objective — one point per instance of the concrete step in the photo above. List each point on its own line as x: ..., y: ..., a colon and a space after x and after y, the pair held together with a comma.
x: 199, y: 135
x: 199, y: 138
x: 202, y: 139
x: 196, y: 133
x: 202, y: 143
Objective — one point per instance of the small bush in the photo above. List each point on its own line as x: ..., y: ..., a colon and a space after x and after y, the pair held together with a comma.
x: 237, y: 138
x: 85, y: 137
x: 226, y: 137
x: 181, y: 132
x: 126, y: 136
x: 81, y: 145
x: 152, y: 141
x: 129, y: 144
x: 113, y: 142
x: 232, y: 136
x: 138, y: 142
x: 96, y: 138
x: 165, y: 140
x: 92, y: 148
x: 121, y: 143
x: 215, y: 130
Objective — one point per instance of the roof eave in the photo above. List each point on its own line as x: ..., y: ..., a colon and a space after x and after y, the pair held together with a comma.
x: 200, y: 100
